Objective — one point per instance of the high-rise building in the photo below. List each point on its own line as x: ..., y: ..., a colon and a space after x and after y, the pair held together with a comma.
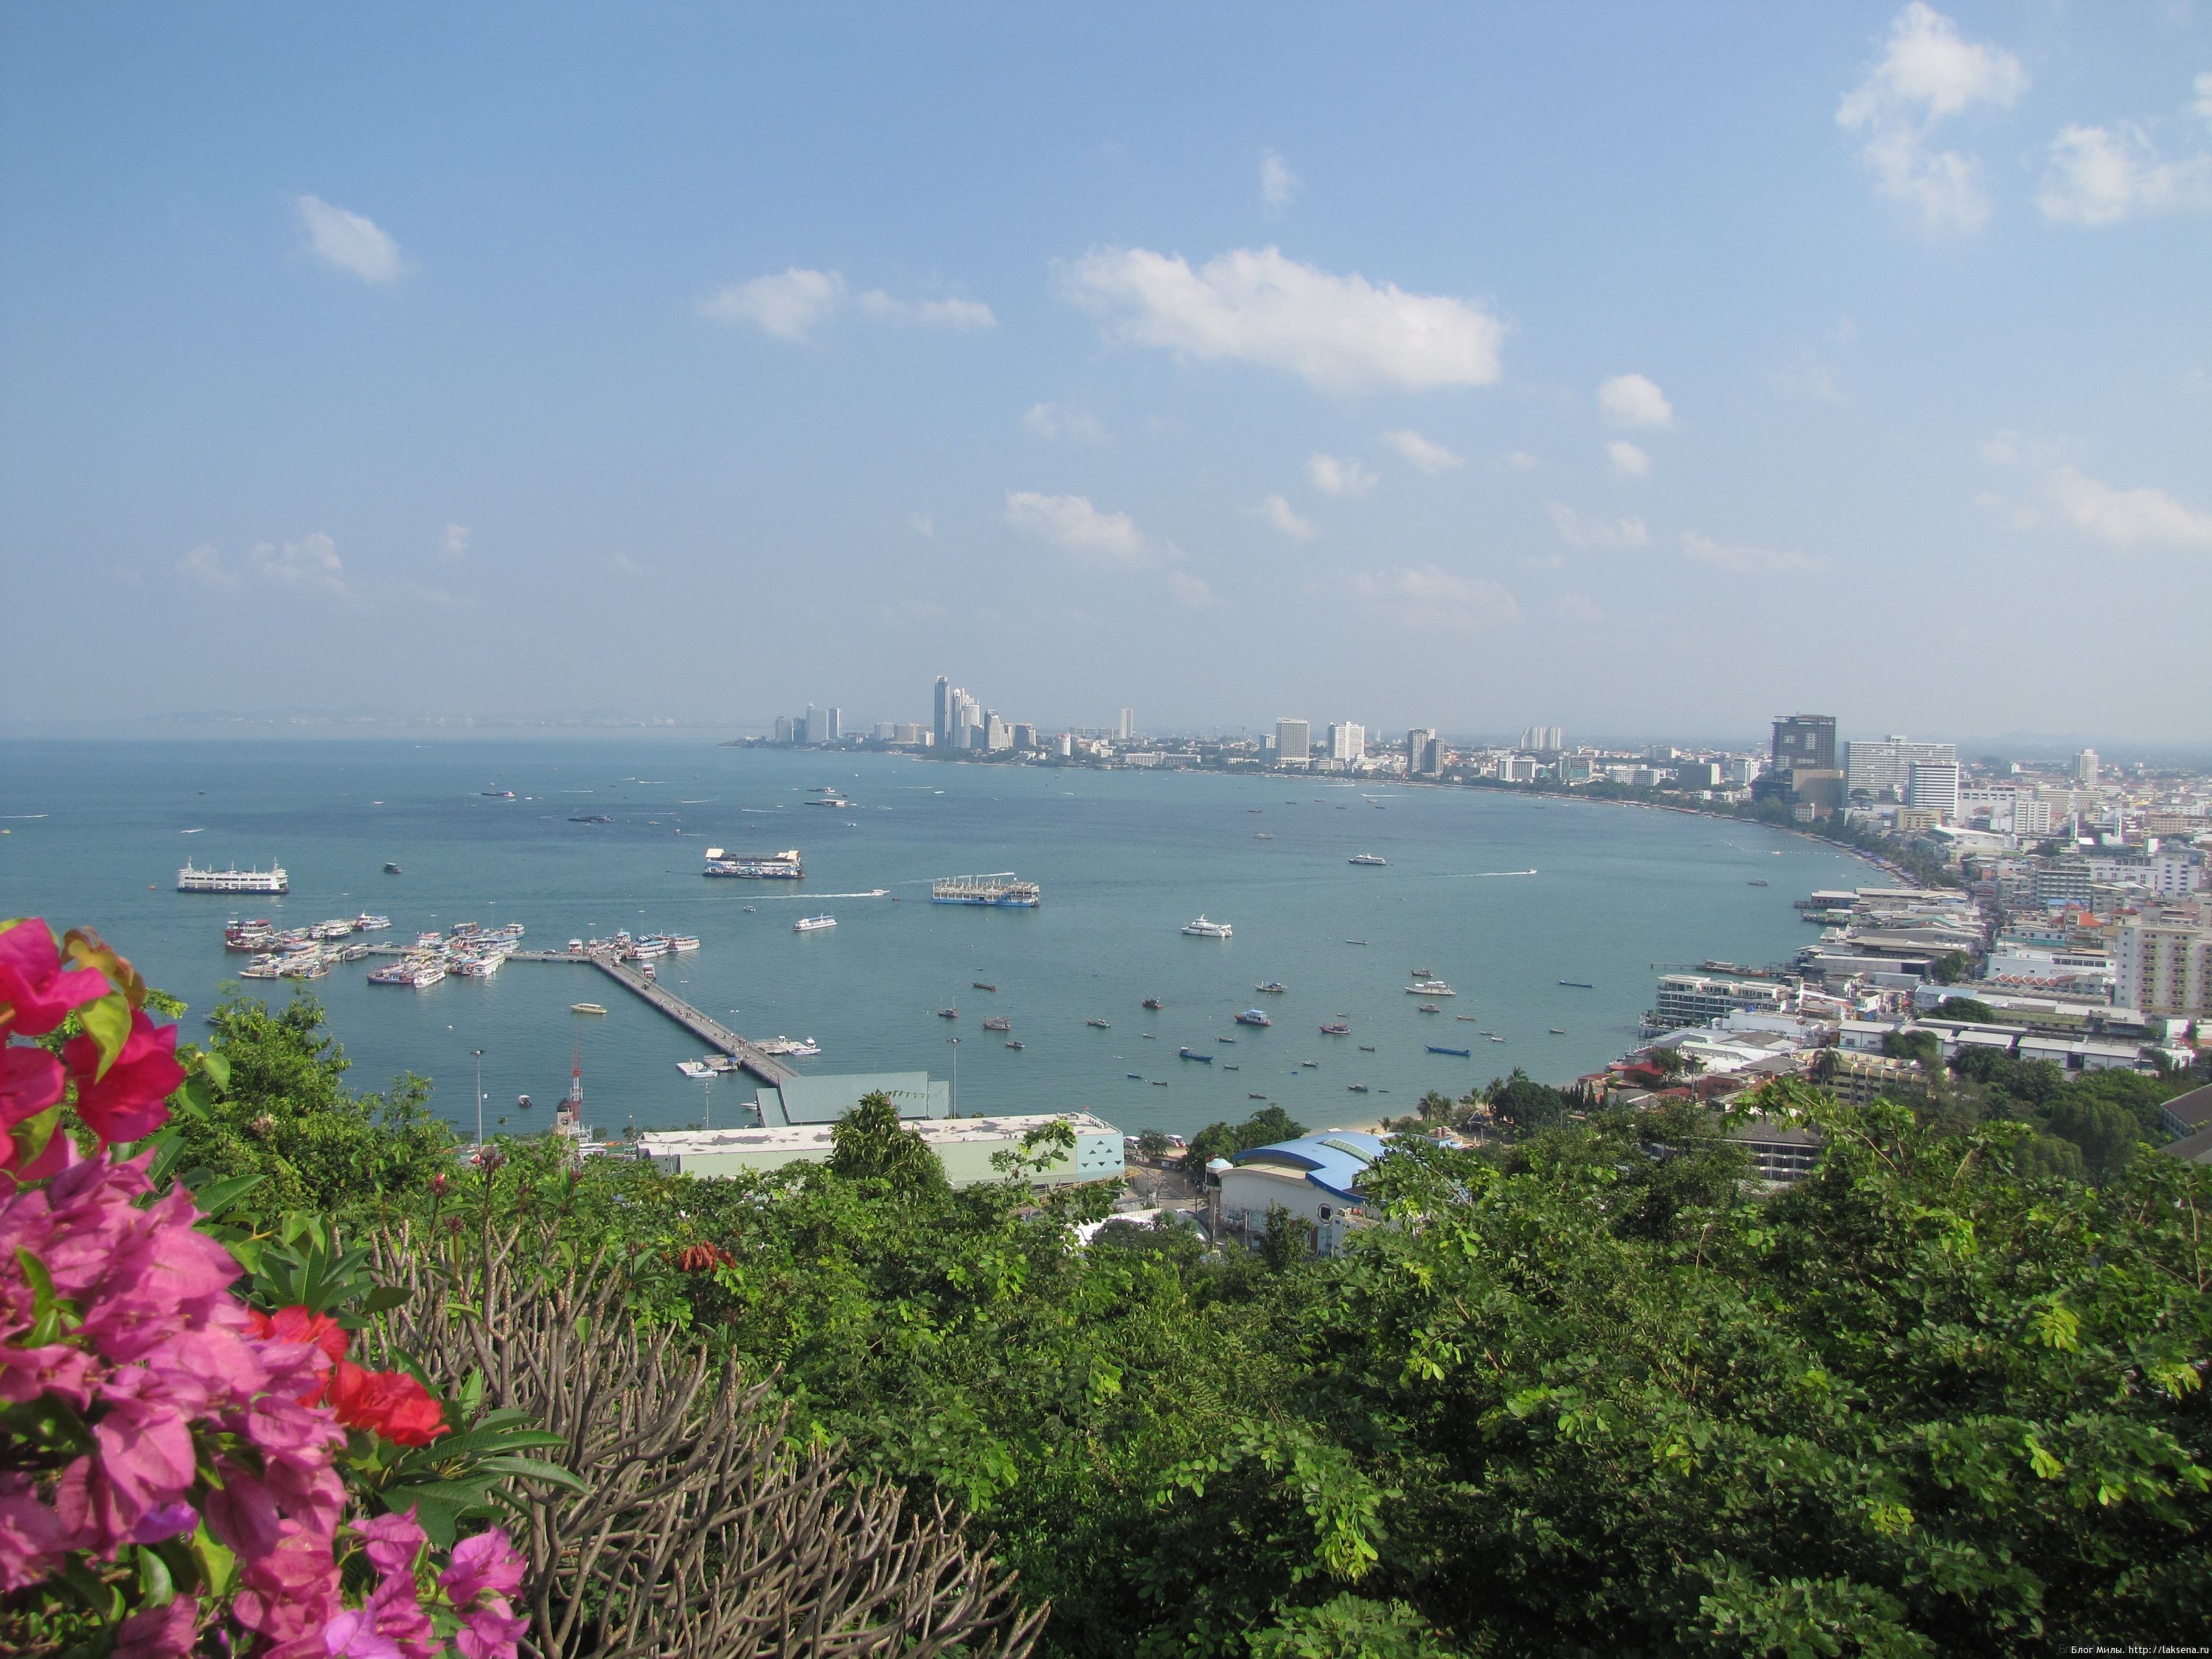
x: 1293, y: 739
x: 1417, y: 744
x: 1543, y: 739
x: 940, y: 726
x: 1064, y: 745
x: 1805, y: 740
x: 997, y: 734
x: 1347, y: 741
x: 787, y: 729
x: 2163, y: 963
x: 1126, y: 727
x: 1024, y: 735
x: 836, y: 726
x: 1932, y: 786
x: 2084, y: 769
x: 1882, y: 767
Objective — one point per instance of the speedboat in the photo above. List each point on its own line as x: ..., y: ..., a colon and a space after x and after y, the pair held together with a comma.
x: 1254, y: 1017
x: 1202, y: 928
x: 1017, y: 1045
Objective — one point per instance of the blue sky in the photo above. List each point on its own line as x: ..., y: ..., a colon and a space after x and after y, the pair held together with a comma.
x: 1642, y: 370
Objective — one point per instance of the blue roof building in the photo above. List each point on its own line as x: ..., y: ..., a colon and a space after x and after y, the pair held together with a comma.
x: 1316, y: 1177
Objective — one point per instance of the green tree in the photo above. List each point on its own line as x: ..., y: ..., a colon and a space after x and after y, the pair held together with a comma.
x: 1527, y: 1104
x: 1967, y: 1008
x: 1923, y: 1046
x: 1951, y: 967
x: 870, y: 1143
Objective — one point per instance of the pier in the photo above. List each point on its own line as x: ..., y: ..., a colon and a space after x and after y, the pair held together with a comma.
x: 765, y: 1067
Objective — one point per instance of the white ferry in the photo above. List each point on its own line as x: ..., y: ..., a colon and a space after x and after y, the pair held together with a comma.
x: 793, y: 1047
x: 191, y: 879
x: 756, y: 866
x: 1204, y: 929
x: 1368, y: 858
x: 1430, y: 987
x: 812, y: 924
x: 367, y: 923
x: 996, y: 891
x: 683, y: 941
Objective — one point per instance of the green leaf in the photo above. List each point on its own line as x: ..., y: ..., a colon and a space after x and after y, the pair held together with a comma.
x: 108, y: 1023
x: 532, y: 1468
x: 217, y: 1197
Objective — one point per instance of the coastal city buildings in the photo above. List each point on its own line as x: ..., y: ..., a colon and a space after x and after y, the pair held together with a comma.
x: 1293, y: 742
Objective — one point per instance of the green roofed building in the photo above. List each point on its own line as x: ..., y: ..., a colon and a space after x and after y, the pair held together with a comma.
x: 808, y: 1100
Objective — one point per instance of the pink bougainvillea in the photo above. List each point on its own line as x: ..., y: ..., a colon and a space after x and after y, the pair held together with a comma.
x: 200, y: 1410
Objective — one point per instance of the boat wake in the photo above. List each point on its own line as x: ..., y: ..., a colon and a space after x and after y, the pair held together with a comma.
x: 873, y: 892
x: 1476, y: 875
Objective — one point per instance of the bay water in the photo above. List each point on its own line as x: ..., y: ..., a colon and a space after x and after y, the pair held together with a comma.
x: 96, y: 831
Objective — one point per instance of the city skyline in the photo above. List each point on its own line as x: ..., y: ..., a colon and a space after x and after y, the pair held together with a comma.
x: 1620, y: 370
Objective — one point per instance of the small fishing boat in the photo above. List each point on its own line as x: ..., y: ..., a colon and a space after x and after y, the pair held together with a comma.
x: 1154, y: 1004
x: 391, y: 869
x: 1192, y: 1054
x: 1356, y: 1088
x: 1159, y: 1083
x: 1232, y: 1068
x: 948, y: 1013
x: 1308, y: 1065
x: 1366, y: 1048
x: 1336, y: 1028
x: 1017, y: 1045
x: 1273, y: 988
x: 981, y: 986
x: 1134, y: 1076
x: 1577, y: 985
x: 1497, y: 1039
x: 1248, y: 1096
x: 1758, y: 883
x: 1421, y: 973
x: 1469, y: 1018
x: 1254, y: 1017
x: 1100, y: 1024
x: 998, y: 1023
x: 1428, y: 1008
x: 1556, y: 1031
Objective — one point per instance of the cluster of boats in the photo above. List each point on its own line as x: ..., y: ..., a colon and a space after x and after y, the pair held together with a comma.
x: 472, y: 951
x: 625, y: 946
x: 306, y: 952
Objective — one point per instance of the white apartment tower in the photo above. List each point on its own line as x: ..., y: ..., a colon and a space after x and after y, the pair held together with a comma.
x: 1883, y: 767
x: 2163, y: 964
x: 1346, y: 742
x: 1293, y: 740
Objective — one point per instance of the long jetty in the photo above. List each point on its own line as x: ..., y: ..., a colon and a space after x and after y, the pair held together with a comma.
x: 750, y: 1056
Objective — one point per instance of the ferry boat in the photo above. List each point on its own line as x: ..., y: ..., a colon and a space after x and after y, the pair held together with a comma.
x: 1430, y: 987
x: 259, y: 968
x: 497, y: 794
x: 812, y: 924
x: 590, y: 817
x: 586, y: 1008
x: 1254, y: 1017
x: 756, y: 866
x: 1192, y: 1054
x: 193, y: 879
x: 829, y: 800
x: 683, y: 941
x: 999, y: 891
x: 1100, y: 1024
x: 481, y: 966
x: 1367, y: 858
x: 338, y: 927
x: 1204, y: 929
x: 367, y: 923
x: 1273, y: 988
x: 780, y: 1046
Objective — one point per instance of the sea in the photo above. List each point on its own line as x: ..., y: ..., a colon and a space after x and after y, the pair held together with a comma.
x: 1550, y: 918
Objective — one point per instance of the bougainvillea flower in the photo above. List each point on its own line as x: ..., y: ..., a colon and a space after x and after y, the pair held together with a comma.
x: 31, y: 1080
x: 394, y: 1543
x: 31, y: 1534
x: 389, y: 1403
x: 296, y: 1324
x: 301, y: 1348
x: 57, y: 1369
x: 36, y: 994
x: 165, y: 1521
x: 289, y: 1595
x: 162, y: 1633
x: 131, y: 1100
x: 354, y: 1635
x: 487, y: 1564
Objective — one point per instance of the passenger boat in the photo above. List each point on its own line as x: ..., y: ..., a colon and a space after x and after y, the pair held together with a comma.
x: 683, y: 941
x: 366, y: 922
x: 994, y: 892
x: 1202, y: 928
x: 1254, y: 1017
x: 756, y: 866
x: 812, y: 924
x: 193, y: 879
x: 585, y: 1008
x: 1250, y: 1096
x: 391, y: 869
x: 1192, y: 1054
x: 1430, y: 987
x: 693, y: 1068
x: 1356, y: 1088
x: 1367, y: 858
x: 1428, y: 1008
x: 1462, y: 1053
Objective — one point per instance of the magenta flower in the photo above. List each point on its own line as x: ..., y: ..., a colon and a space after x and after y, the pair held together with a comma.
x: 162, y: 1633
x: 131, y: 1099
x: 32, y: 1540
x: 31, y: 1079
x: 354, y: 1635
x: 289, y: 1595
x: 484, y: 1571
x: 36, y: 994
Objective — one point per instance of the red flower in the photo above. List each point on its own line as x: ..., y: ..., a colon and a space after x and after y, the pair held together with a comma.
x: 34, y: 991
x: 389, y: 1403
x: 130, y: 1100
x: 296, y: 1324
x: 30, y: 1081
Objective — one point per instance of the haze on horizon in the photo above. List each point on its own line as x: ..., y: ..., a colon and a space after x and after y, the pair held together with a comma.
x: 1625, y: 369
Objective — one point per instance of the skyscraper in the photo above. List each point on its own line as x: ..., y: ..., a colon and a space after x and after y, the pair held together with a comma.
x: 1805, y: 740
x: 1293, y: 739
x: 1126, y: 728
x: 1883, y: 768
x: 941, y: 713
x: 2084, y: 769
x: 1932, y: 786
x: 1346, y: 741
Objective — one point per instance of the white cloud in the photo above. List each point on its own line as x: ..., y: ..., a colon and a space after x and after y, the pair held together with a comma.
x: 1634, y: 400
x: 1522, y: 461
x: 964, y: 316
x: 1588, y: 534
x: 350, y: 241
x: 1928, y: 72
x: 1284, y: 517
x: 1340, y: 475
x: 787, y: 305
x: 204, y: 565
x: 790, y: 305
x: 1341, y: 334
x: 624, y: 565
x: 2101, y: 175
x: 922, y: 524
x: 1278, y: 184
x: 1190, y: 590
x: 1428, y: 599
x: 453, y: 541
x: 2126, y: 518
x: 1072, y: 523
x: 1744, y: 559
x: 1058, y: 421
x: 1423, y: 452
x: 1627, y: 459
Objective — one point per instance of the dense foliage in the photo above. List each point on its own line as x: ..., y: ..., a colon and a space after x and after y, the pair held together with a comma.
x: 1594, y: 1393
